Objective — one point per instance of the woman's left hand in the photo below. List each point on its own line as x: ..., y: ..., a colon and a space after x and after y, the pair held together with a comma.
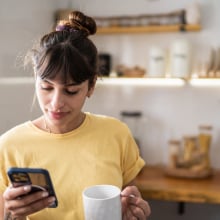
x: 134, y: 207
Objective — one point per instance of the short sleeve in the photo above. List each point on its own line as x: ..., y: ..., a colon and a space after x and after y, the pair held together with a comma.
x: 3, y: 176
x: 132, y: 161
x: 4, y: 164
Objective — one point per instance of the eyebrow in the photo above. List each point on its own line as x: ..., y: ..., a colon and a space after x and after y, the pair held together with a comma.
x: 70, y: 84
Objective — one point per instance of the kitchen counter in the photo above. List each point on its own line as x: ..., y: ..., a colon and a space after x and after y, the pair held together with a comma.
x: 154, y: 184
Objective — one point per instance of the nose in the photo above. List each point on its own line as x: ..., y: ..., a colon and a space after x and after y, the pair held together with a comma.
x: 57, y: 101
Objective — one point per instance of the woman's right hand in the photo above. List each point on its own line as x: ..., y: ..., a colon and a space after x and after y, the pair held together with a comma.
x: 18, y: 203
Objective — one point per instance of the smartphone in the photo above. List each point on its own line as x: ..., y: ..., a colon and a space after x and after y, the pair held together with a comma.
x: 38, y: 178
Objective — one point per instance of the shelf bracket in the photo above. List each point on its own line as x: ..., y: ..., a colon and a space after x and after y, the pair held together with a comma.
x: 182, y: 28
x: 181, y: 208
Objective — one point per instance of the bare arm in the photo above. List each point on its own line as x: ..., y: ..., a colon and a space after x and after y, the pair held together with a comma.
x: 1, y: 208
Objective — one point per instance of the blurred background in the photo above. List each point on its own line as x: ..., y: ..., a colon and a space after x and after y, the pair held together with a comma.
x: 164, y: 112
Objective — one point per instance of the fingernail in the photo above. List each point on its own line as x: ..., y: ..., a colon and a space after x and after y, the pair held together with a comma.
x: 27, y: 188
x: 45, y: 194
x: 131, y: 195
x: 52, y: 204
x: 51, y: 200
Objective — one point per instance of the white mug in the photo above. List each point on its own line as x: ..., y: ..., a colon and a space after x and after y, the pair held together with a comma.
x: 102, y: 202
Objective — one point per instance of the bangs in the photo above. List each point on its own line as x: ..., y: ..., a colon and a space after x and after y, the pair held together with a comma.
x: 64, y: 62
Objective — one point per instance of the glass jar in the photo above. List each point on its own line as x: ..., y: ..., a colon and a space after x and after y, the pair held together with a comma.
x: 174, y: 152
x: 190, y: 147
x: 133, y: 121
x: 205, y: 137
x: 204, y: 142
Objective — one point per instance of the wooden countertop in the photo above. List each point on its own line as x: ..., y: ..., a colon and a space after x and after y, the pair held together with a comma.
x: 154, y: 184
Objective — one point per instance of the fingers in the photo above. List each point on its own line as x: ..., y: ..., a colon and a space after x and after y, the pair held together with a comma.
x: 140, y: 208
x: 137, y: 208
x: 134, y: 207
x: 19, y: 203
x: 24, y: 206
x: 128, y: 216
x: 14, y: 193
x: 131, y: 190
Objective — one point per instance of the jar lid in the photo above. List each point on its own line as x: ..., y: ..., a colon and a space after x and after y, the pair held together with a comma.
x: 208, y: 127
x: 173, y: 141
x: 131, y: 113
x: 190, y: 137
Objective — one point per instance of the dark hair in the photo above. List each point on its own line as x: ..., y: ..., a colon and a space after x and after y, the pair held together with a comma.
x: 68, y: 51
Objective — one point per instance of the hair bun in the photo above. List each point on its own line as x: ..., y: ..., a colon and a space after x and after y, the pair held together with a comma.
x: 63, y: 25
x: 80, y: 21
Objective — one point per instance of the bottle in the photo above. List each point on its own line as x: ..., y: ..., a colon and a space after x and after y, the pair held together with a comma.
x: 105, y: 64
x: 180, y: 59
x: 157, y: 62
x: 204, y: 141
x: 174, y: 152
x: 190, y: 148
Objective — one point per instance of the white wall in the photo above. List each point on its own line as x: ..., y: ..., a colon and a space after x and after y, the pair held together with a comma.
x: 170, y: 112
x: 17, y: 104
x: 21, y: 22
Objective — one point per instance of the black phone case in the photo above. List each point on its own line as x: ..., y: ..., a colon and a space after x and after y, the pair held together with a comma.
x: 37, y: 177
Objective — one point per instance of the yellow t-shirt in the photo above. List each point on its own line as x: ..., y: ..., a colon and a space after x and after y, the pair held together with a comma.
x: 100, y: 151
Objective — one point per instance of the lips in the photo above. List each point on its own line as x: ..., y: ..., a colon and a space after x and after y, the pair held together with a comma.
x: 57, y: 115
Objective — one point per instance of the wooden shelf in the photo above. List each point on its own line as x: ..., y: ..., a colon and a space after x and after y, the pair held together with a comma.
x: 215, y: 82
x: 63, y: 14
x: 148, y: 29
x: 147, y: 81
x: 154, y: 184
x: 140, y: 81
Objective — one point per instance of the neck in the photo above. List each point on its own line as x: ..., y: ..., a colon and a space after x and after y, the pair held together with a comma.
x: 65, y: 128
x: 46, y: 127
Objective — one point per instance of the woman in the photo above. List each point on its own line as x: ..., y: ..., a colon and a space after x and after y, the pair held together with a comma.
x: 79, y: 149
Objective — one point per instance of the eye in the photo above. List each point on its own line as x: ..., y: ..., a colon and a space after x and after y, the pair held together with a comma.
x: 71, y: 92
x: 48, y: 88
x: 44, y: 85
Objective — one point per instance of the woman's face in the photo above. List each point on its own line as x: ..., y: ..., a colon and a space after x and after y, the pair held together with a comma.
x: 61, y: 103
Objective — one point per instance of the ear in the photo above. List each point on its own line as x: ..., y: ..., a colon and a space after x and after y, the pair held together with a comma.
x: 91, y: 89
